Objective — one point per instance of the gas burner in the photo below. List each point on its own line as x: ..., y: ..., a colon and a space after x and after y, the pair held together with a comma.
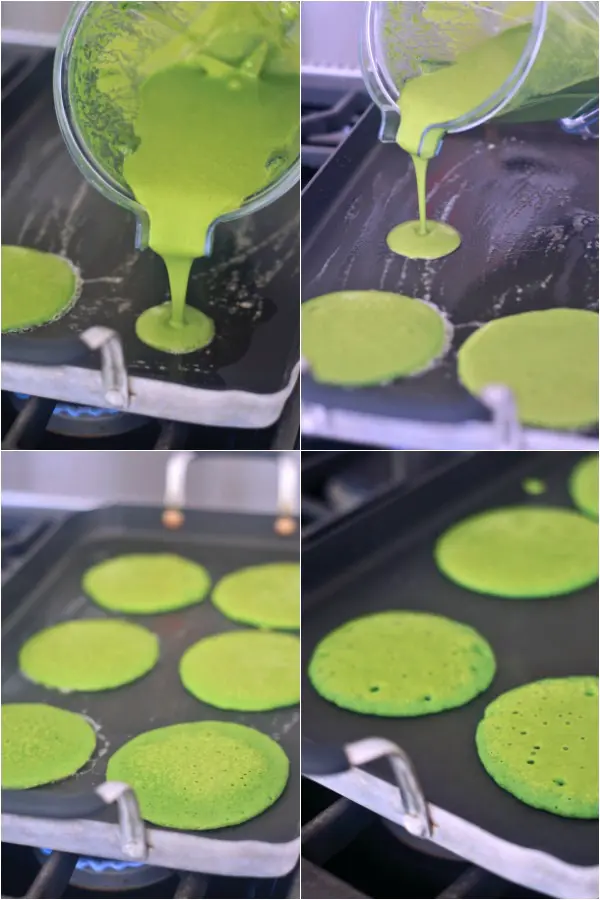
x: 93, y: 874
x: 73, y: 420
x: 39, y: 423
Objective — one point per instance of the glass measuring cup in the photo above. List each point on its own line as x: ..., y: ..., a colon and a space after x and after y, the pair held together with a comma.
x: 555, y: 78
x: 108, y: 49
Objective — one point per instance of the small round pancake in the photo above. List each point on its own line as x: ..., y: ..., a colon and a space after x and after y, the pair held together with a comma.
x: 201, y: 775
x: 402, y: 664
x: 540, y: 743
x: 583, y: 485
x: 146, y: 583
x: 37, y: 287
x: 548, y: 358
x: 266, y: 596
x: 535, y: 487
x: 521, y: 551
x: 89, y: 655
x: 42, y: 744
x: 244, y: 670
x: 356, y: 338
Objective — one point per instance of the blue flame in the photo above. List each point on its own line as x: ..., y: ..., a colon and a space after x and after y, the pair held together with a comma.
x: 76, y: 412
x: 92, y: 864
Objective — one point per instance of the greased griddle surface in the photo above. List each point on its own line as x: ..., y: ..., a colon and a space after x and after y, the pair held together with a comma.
x: 525, y: 201
x: 51, y: 593
x: 532, y: 639
x: 249, y: 286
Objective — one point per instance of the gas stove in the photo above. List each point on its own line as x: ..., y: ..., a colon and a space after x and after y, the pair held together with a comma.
x: 36, y: 873
x: 336, y: 482
x: 20, y: 531
x: 328, y: 115
x: 349, y: 853
x: 38, y: 423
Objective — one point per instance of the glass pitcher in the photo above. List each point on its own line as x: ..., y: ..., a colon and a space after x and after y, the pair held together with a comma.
x: 556, y: 77
x: 106, y: 52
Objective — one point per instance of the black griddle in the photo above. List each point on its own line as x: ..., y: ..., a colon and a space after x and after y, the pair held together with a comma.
x: 525, y: 200
x: 47, y: 589
x: 381, y: 557
x: 249, y: 285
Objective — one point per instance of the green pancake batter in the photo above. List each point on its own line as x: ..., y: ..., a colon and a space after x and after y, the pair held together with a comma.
x: 521, y: 551
x: 201, y: 775
x: 244, y: 670
x: 540, y: 743
x: 42, y: 744
x: 357, y: 338
x: 549, y: 360
x: 402, y: 664
x: 583, y: 485
x: 266, y: 596
x: 436, y: 99
x: 207, y: 134
x: 146, y: 583
x: 535, y: 487
x: 89, y: 655
x: 37, y: 288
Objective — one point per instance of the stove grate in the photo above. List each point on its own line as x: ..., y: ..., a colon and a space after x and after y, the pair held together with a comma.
x: 348, y: 853
x: 30, y: 874
x: 36, y: 423
x: 327, y: 116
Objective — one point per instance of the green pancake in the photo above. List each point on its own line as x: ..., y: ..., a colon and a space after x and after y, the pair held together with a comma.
x: 42, y: 744
x: 266, y: 596
x: 356, y: 338
x: 36, y: 288
x: 521, y: 551
x: 89, y: 655
x: 146, y: 583
x: 583, y: 485
x: 201, y: 775
x: 244, y: 670
x: 401, y: 664
x: 540, y: 743
x: 548, y: 358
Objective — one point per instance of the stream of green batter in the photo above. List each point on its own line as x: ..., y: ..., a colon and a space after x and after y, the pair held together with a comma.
x: 205, y: 142
x: 443, y: 96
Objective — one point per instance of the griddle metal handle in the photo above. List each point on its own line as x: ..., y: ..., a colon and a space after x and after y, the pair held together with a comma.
x: 328, y: 760
x: 499, y: 400
x: 67, y: 351
x: 288, y: 493
x: 43, y: 805
x: 114, y: 370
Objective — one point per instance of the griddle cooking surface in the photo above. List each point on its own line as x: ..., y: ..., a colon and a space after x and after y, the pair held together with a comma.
x: 532, y: 639
x: 49, y: 591
x: 525, y: 201
x: 250, y: 285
